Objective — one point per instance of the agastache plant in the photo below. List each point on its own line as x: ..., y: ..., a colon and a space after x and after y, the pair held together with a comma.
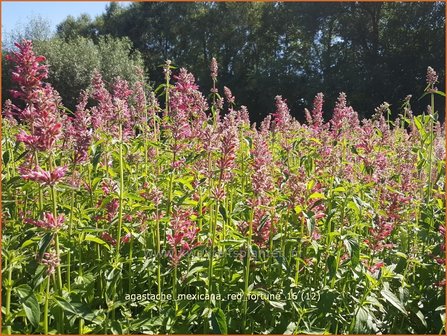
x: 40, y: 129
x: 163, y: 210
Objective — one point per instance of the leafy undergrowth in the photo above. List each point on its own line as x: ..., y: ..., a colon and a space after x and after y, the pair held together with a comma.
x: 167, y: 212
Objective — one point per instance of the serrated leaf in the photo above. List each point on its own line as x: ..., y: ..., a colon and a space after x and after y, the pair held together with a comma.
x: 391, y: 298
x: 219, y: 321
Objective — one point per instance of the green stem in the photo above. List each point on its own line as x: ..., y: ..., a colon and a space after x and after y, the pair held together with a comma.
x: 130, y: 263
x: 58, y: 268
x: 158, y: 257
x: 121, y: 194
x: 174, y: 288
x: 247, y: 269
x: 8, y: 300
x: 298, y: 257
x: 213, y: 222
x: 70, y: 233
x: 45, y: 308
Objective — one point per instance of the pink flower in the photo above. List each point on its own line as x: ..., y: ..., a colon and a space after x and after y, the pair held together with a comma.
x: 125, y: 239
x: 28, y: 72
x: 376, y: 266
x: 108, y: 238
x: 44, y: 177
x: 281, y: 117
x: 9, y: 110
x: 213, y: 69
x: 344, y: 117
x: 80, y: 130
x: 262, y: 181
x: 228, y: 95
x: 49, y: 222
x: 317, y: 112
x: 228, y: 148
x: 51, y: 260
x: 183, y: 235
x: 432, y: 77
x: 112, y: 208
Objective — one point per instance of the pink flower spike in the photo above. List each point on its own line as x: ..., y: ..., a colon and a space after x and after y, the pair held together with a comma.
x: 49, y: 222
x: 44, y: 177
x: 51, y: 260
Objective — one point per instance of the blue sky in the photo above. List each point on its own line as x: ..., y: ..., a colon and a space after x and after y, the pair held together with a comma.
x: 16, y: 14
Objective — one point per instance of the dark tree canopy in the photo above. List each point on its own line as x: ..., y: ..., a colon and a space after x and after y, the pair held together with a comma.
x: 374, y: 52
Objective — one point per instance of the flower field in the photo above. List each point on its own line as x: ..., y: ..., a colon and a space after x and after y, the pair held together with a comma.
x: 163, y: 210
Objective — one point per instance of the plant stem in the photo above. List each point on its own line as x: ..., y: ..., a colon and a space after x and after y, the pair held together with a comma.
x: 56, y: 237
x: 70, y: 233
x: 174, y: 288
x: 121, y: 194
x: 8, y: 300
x: 298, y: 257
x: 213, y: 222
x: 45, y: 308
x: 158, y: 257
x: 247, y: 269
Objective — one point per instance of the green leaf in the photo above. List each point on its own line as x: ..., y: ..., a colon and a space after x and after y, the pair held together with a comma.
x: 29, y: 242
x: 29, y: 304
x: 331, y: 266
x: 421, y: 318
x: 339, y: 189
x: 298, y: 209
x: 317, y: 195
x: 391, y: 298
x: 44, y: 243
x: 353, y: 249
x: 97, y: 240
x: 277, y: 304
x: 219, y: 321
x: 360, y: 320
x: 5, y: 158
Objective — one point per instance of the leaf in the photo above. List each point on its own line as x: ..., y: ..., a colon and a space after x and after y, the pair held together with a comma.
x: 97, y: 240
x: 30, y: 242
x: 360, y: 319
x: 44, y: 243
x: 219, y: 321
x: 298, y: 209
x: 339, y: 189
x: 262, y: 223
x: 5, y: 158
x: 331, y: 266
x: 391, y: 298
x: 234, y: 242
x: 223, y: 212
x: 421, y: 318
x: 402, y: 255
x: 317, y: 195
x: 353, y: 249
x: 277, y: 304
x: 29, y: 304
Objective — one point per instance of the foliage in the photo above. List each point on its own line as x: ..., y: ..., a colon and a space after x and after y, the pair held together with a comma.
x: 372, y: 50
x: 74, y: 58
x: 167, y: 212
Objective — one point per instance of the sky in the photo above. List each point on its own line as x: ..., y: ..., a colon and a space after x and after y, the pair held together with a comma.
x: 16, y: 14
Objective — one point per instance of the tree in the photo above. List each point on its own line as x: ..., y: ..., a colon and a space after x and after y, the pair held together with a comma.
x: 372, y: 51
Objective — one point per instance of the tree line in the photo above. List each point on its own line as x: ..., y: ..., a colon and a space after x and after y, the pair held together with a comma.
x: 374, y: 52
